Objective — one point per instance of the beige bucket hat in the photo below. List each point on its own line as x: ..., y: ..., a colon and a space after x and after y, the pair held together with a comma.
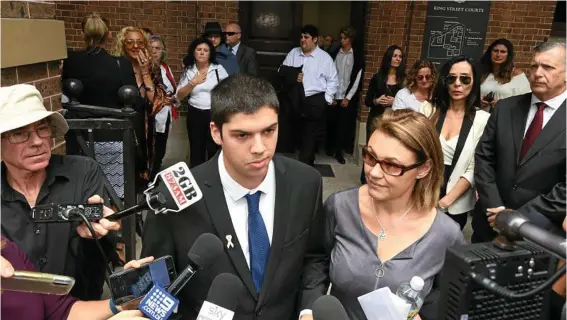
x: 21, y: 105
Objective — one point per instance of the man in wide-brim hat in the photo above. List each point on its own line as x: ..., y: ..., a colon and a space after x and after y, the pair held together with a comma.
x: 32, y: 176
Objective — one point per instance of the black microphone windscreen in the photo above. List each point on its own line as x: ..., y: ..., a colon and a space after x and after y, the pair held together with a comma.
x: 225, y: 291
x: 205, y: 250
x: 327, y: 308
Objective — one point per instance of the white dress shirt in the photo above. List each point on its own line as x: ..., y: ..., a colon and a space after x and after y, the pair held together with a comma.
x: 237, y: 205
x: 319, y: 72
x: 164, y: 113
x: 552, y: 106
x: 344, y: 63
x: 200, y: 97
x: 234, y: 49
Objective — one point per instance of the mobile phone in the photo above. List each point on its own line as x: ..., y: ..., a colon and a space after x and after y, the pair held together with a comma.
x: 489, y: 97
x: 131, y: 284
x: 38, y: 282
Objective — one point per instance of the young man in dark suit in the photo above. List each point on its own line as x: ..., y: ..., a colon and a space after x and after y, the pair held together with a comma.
x: 520, y: 159
x: 245, y: 55
x: 265, y: 208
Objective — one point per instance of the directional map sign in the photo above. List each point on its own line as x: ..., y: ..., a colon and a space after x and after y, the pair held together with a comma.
x: 454, y: 28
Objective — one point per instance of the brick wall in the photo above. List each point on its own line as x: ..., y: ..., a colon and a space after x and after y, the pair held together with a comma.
x: 44, y: 76
x: 174, y: 21
x: 225, y: 12
x: 524, y: 23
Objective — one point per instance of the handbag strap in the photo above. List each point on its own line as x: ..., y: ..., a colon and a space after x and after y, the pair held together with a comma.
x: 217, y: 73
x: 465, y: 130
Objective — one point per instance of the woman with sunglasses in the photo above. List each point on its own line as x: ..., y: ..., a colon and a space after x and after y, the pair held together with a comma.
x: 460, y: 124
x: 419, y: 86
x: 387, y: 231
x: 499, y: 77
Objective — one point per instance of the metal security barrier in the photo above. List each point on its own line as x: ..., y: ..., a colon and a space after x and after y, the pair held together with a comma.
x: 81, y: 141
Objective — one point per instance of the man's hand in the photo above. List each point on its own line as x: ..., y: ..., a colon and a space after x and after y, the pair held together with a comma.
x: 6, y: 267
x: 102, y: 227
x: 136, y: 264
x: 344, y: 103
x: 129, y: 315
x: 300, y: 77
x: 495, y: 212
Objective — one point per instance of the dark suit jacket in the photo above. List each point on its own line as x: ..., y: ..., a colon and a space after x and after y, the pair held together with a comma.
x: 295, y: 275
x: 247, y: 63
x: 534, y: 185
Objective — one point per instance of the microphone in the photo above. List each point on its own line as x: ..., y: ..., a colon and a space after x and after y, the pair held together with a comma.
x: 204, y: 252
x: 328, y: 308
x: 173, y: 190
x: 514, y: 226
x: 223, y: 298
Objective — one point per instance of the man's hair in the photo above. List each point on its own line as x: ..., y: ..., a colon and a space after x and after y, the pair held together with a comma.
x: 241, y: 94
x: 310, y: 30
x: 349, y: 32
x: 548, y: 45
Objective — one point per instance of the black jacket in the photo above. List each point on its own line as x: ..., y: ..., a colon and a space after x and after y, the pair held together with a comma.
x: 295, y: 274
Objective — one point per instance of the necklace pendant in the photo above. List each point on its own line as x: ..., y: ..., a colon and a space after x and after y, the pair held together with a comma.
x: 381, y: 235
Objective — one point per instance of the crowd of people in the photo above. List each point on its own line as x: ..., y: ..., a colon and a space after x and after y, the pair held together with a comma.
x: 469, y: 139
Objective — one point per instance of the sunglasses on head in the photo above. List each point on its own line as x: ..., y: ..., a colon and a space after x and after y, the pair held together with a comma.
x: 231, y: 33
x: 422, y: 77
x: 451, y: 79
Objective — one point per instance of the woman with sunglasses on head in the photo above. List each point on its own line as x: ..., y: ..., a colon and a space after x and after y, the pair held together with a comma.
x: 133, y: 43
x: 383, y: 87
x: 460, y: 124
x: 419, y: 86
x: 499, y: 77
x: 387, y: 231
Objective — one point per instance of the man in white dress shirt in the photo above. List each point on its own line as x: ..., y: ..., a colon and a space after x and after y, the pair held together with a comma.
x: 320, y: 82
x: 341, y: 115
x: 265, y: 208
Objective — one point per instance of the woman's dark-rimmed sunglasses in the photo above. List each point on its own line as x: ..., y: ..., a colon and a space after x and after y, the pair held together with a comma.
x: 389, y: 168
x: 451, y: 79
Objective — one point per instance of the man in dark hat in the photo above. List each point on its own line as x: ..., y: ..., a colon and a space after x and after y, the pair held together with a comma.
x: 224, y: 57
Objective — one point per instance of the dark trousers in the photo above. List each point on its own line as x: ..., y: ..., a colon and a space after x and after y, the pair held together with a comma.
x: 337, y: 128
x: 160, y: 141
x: 312, y: 126
x: 201, y: 144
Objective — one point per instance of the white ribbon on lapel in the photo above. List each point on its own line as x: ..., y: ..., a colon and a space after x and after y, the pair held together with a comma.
x: 229, y: 244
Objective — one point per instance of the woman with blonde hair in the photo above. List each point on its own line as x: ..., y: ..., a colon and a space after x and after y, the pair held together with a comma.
x: 133, y: 43
x: 387, y: 231
x: 419, y: 84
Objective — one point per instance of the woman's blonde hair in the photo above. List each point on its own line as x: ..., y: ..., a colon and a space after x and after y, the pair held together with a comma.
x: 95, y: 29
x: 410, y: 81
x: 416, y: 133
x: 118, y: 49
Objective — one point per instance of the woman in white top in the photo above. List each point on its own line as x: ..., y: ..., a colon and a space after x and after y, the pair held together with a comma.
x: 418, y: 86
x: 460, y: 125
x: 201, y: 75
x: 498, y: 76
x: 163, y: 119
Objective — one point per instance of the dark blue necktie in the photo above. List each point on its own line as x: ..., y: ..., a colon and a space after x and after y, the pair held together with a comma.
x: 258, y: 241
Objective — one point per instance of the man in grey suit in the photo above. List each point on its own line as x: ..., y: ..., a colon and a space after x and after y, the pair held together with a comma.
x: 245, y: 55
x: 520, y: 159
x: 265, y: 208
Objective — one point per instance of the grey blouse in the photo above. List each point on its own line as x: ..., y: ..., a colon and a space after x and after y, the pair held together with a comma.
x: 355, y: 269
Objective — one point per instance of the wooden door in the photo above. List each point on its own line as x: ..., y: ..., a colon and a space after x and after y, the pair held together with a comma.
x: 272, y: 29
